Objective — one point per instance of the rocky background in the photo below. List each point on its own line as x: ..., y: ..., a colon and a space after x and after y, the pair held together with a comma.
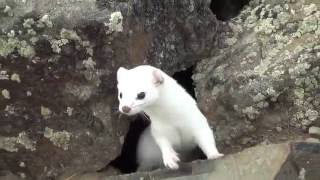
x: 58, y: 60
x: 256, y: 75
x: 263, y: 81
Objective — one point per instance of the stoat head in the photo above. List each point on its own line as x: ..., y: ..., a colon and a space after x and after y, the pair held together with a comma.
x: 138, y: 88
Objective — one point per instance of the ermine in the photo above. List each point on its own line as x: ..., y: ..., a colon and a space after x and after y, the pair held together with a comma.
x: 176, y: 122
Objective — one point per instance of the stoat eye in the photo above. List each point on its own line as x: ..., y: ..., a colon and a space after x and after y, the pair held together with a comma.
x: 141, y: 95
x: 120, y: 95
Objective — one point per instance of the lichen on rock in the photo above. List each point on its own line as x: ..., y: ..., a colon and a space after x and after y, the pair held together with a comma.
x: 89, y: 64
x: 11, y: 144
x: 45, y: 112
x: 6, y: 94
x: 7, y: 46
x: 115, y: 22
x: 28, y: 23
x: 15, y: 77
x: 56, y: 44
x: 69, y: 34
x: 58, y: 138
x: 271, y: 70
x: 45, y: 19
x: 8, y: 144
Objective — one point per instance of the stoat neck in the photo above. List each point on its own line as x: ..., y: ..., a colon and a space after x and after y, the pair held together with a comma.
x: 173, y: 101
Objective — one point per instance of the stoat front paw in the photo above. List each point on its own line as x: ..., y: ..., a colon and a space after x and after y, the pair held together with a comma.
x: 215, y: 155
x: 170, y: 159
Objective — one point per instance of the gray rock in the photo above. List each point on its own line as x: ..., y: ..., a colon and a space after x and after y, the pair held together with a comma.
x: 58, y: 61
x: 279, y: 129
x: 313, y: 130
x: 313, y: 140
x: 286, y: 161
x: 7, y: 175
x: 264, y: 71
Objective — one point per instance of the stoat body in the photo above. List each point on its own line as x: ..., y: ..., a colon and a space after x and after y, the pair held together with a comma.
x: 177, y: 124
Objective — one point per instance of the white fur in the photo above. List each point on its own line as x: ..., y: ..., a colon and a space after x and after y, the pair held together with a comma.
x: 176, y: 121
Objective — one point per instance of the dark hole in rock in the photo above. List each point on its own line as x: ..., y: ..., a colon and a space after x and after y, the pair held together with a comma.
x: 184, y: 78
x: 227, y: 9
x: 42, y: 47
x: 126, y: 161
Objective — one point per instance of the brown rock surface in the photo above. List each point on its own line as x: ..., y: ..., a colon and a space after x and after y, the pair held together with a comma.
x: 58, y: 59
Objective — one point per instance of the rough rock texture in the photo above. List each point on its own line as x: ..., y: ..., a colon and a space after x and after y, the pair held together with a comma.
x: 58, y: 60
x: 264, y: 77
x: 286, y: 161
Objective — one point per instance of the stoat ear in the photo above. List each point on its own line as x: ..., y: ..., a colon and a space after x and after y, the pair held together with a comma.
x: 157, y: 77
x: 121, y: 72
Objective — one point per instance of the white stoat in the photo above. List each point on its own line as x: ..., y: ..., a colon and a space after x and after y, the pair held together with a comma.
x: 176, y: 121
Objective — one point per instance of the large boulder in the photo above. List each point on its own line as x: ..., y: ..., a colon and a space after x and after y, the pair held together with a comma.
x: 285, y: 161
x: 58, y: 60
x: 262, y: 82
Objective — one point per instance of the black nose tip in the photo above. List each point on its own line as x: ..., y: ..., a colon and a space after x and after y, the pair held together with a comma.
x: 126, y: 109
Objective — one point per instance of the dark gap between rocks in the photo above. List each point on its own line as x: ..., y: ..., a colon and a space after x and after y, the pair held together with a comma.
x: 227, y: 9
x: 184, y: 78
x: 126, y: 161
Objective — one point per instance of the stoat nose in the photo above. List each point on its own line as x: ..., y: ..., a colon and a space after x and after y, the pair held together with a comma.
x: 126, y: 109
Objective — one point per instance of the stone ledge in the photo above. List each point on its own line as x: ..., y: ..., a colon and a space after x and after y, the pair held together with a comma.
x: 286, y: 161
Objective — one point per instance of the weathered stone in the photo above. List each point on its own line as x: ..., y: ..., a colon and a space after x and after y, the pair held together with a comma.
x: 7, y: 175
x: 313, y: 130
x: 305, y: 158
x: 58, y: 62
x: 287, y: 161
x: 264, y: 73
x: 279, y: 129
x: 313, y: 140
